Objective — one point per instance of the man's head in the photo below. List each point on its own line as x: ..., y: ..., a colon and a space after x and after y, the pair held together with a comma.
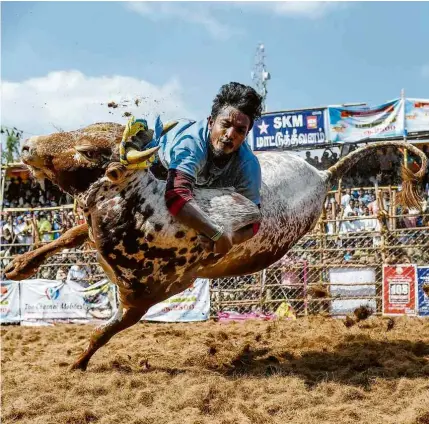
x: 308, y: 155
x: 234, y: 110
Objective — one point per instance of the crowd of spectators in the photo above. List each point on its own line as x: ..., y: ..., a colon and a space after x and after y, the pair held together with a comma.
x: 27, y: 193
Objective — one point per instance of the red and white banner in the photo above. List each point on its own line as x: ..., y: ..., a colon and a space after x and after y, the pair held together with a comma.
x: 399, y: 289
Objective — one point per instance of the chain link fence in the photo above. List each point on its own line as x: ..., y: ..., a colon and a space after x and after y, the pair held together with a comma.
x: 338, y: 264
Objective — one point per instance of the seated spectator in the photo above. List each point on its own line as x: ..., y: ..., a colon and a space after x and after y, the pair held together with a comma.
x: 78, y: 274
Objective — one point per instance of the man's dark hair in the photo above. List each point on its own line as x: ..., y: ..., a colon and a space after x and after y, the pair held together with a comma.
x: 241, y: 97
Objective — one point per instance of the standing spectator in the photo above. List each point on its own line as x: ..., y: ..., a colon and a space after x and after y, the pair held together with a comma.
x: 345, y: 198
x: 45, y: 228
x: 308, y: 158
x: 316, y: 162
x: 56, y: 226
x: 387, y: 161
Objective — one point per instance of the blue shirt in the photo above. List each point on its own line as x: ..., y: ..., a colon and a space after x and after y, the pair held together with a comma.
x: 186, y: 148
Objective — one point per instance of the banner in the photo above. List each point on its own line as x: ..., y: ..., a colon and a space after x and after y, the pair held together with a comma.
x: 355, y: 283
x: 352, y: 124
x: 50, y: 300
x: 423, y: 291
x: 9, y: 304
x: 417, y: 115
x: 283, y: 130
x: 193, y: 304
x: 399, y: 289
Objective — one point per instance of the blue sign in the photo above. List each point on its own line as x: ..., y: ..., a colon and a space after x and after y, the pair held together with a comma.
x: 423, y: 291
x: 284, y: 130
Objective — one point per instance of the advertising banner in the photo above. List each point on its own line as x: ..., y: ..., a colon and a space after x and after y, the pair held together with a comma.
x: 352, y: 124
x: 423, y: 291
x: 354, y: 283
x: 284, y: 130
x: 399, y: 289
x: 50, y: 300
x: 193, y: 304
x: 9, y: 304
x: 417, y: 115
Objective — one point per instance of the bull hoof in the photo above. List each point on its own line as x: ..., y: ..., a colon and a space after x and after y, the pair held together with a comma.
x: 79, y: 365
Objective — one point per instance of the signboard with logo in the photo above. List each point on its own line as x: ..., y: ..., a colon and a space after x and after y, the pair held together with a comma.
x: 9, y: 303
x: 352, y: 124
x: 50, y: 300
x: 193, y: 304
x: 399, y: 289
x: 423, y: 291
x: 285, y: 130
x: 417, y: 115
x: 355, y: 284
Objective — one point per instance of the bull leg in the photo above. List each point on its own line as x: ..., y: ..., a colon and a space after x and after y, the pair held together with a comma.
x: 102, y: 334
x: 25, y: 265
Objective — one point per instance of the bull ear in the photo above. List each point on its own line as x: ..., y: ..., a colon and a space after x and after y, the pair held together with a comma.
x: 134, y: 156
x: 168, y: 126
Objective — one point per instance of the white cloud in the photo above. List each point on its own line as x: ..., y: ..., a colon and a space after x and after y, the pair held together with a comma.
x: 69, y: 100
x: 306, y: 9
x: 203, y: 13
x: 194, y: 12
x: 425, y: 71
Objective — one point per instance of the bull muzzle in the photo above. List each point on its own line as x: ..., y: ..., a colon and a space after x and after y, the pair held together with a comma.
x: 29, y: 153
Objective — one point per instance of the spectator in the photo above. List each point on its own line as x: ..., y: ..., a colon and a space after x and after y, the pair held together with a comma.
x: 45, y: 228
x: 308, y: 158
x: 345, y: 198
x: 316, y: 162
x: 78, y: 274
x: 387, y: 161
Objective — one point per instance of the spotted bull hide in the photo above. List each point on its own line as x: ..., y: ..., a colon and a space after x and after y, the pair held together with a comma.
x: 143, y: 249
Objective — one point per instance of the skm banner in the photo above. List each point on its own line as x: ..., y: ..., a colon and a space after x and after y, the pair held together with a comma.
x: 284, y: 130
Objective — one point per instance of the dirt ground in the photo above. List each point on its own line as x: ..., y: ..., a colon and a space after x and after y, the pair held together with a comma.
x: 307, y: 371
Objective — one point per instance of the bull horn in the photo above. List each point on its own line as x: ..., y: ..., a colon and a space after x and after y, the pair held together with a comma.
x: 134, y: 156
x: 168, y: 126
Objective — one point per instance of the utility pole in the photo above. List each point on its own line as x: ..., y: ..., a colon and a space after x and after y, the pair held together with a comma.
x: 260, y: 75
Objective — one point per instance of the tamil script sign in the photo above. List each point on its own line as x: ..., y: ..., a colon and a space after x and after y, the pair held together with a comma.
x: 417, y: 115
x: 193, y: 304
x: 284, y: 130
x: 399, y: 289
x: 352, y: 124
x: 423, y: 290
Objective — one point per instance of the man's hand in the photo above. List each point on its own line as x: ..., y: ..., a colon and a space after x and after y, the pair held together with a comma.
x: 222, y: 246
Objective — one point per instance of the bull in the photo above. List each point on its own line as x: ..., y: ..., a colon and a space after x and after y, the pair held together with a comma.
x: 143, y: 249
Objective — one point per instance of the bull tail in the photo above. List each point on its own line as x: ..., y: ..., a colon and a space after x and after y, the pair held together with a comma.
x: 409, y: 196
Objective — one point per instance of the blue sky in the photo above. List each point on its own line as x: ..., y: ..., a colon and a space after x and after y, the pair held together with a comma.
x: 63, y: 61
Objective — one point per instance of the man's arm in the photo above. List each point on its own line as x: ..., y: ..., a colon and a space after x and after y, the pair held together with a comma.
x: 181, y: 204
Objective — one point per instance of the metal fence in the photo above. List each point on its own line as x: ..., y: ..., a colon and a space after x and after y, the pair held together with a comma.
x: 305, y: 279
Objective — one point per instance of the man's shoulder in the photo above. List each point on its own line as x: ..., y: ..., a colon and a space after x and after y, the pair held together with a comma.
x: 246, y: 155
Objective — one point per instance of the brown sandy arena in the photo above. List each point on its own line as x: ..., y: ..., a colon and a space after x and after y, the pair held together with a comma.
x: 307, y: 371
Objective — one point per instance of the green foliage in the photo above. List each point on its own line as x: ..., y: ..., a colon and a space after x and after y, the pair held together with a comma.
x: 11, y: 151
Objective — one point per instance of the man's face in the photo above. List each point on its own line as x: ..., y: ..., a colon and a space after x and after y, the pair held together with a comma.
x: 228, y: 131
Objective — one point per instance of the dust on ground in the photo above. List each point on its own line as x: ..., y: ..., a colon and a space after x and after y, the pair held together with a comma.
x: 304, y: 371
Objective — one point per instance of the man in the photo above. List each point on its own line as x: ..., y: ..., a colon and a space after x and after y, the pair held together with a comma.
x: 45, y: 228
x: 213, y: 153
